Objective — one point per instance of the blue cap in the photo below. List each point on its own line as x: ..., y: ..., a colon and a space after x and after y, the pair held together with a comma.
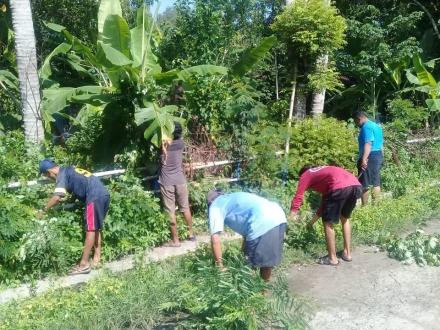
x: 46, y: 165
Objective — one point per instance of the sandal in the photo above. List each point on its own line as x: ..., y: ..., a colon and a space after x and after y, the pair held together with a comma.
x: 326, y: 261
x: 78, y: 270
x: 172, y: 244
x: 345, y: 258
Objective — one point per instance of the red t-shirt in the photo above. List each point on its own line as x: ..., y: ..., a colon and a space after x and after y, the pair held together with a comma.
x: 323, y: 179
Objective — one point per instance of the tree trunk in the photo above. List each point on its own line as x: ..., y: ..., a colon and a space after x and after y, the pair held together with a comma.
x: 300, y: 102
x: 27, y: 69
x: 318, y: 98
x: 292, y: 105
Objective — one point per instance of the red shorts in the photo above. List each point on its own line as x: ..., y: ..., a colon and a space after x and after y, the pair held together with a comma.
x: 95, y: 213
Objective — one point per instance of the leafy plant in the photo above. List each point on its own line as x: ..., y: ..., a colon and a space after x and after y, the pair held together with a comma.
x: 416, y: 248
x: 319, y: 142
x: 122, y: 79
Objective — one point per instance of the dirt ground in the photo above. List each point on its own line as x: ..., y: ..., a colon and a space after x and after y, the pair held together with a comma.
x: 372, y: 292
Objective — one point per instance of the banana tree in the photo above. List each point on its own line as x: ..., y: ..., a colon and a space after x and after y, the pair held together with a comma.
x: 425, y: 82
x: 121, y: 78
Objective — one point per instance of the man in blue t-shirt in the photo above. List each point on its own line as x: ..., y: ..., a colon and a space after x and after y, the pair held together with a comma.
x: 262, y: 224
x: 370, y: 158
x: 88, y: 189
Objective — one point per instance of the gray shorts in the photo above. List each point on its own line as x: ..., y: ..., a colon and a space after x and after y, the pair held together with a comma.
x: 266, y: 250
x: 172, y: 194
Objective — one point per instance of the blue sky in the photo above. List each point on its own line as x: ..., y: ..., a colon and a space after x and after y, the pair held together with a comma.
x: 164, y: 4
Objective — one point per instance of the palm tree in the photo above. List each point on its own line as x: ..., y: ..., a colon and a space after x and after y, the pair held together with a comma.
x: 319, y: 96
x: 27, y: 69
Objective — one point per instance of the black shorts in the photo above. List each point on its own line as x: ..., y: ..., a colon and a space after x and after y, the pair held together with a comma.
x: 95, y: 213
x: 340, y: 202
x: 266, y: 250
x: 371, y: 176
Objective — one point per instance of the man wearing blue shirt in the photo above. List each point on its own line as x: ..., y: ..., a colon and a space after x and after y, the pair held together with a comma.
x: 90, y: 190
x: 370, y: 157
x: 262, y: 224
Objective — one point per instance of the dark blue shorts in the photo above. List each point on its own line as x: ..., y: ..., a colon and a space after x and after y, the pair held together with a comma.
x: 371, y: 176
x: 266, y: 250
x: 95, y: 213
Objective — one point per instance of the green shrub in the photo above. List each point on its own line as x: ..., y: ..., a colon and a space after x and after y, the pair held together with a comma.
x: 320, y: 142
x: 32, y: 248
x: 14, y: 223
x: 135, y: 219
x: 406, y: 117
x: 18, y: 160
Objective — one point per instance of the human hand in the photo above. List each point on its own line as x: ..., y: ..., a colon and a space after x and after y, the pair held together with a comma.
x: 364, y: 164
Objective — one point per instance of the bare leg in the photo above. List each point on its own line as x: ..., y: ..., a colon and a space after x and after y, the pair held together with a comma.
x: 365, y: 196
x: 331, y: 242
x: 189, y: 222
x: 376, y: 193
x: 173, y: 227
x: 97, y: 248
x: 266, y: 273
x: 88, y: 245
x: 346, y: 231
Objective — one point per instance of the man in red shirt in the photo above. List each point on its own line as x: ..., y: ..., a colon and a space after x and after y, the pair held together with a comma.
x: 340, y: 190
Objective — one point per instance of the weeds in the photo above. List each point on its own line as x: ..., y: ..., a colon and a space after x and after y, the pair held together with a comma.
x: 186, y: 293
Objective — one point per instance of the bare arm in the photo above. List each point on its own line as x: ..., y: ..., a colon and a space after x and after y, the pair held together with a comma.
x: 54, y: 200
x: 216, y: 246
x: 367, y: 150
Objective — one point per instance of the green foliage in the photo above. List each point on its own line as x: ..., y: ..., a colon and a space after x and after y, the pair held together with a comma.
x: 135, y: 221
x: 212, y: 31
x: 406, y: 116
x: 14, y: 223
x: 233, y: 299
x: 416, y: 248
x: 318, y: 142
x: 187, y: 293
x: 17, y: 159
x: 120, y: 79
x: 310, y: 28
x: 408, y: 165
x: 373, y: 224
x: 33, y: 248
x: 377, y: 32
x: 324, y: 77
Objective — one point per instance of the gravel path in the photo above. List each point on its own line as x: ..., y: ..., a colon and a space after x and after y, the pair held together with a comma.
x: 372, y: 292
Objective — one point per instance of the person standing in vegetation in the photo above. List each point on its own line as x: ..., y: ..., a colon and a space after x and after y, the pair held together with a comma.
x: 340, y: 191
x: 173, y: 185
x: 89, y: 189
x: 370, y: 159
x: 262, y: 224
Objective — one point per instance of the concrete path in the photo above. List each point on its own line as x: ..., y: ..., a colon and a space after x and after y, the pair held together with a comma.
x: 372, y: 292
x: 156, y: 254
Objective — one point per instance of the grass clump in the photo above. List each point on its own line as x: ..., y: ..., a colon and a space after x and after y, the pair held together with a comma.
x: 187, y: 293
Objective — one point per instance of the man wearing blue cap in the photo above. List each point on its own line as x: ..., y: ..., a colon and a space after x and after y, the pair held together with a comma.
x: 262, y: 224
x: 89, y: 189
